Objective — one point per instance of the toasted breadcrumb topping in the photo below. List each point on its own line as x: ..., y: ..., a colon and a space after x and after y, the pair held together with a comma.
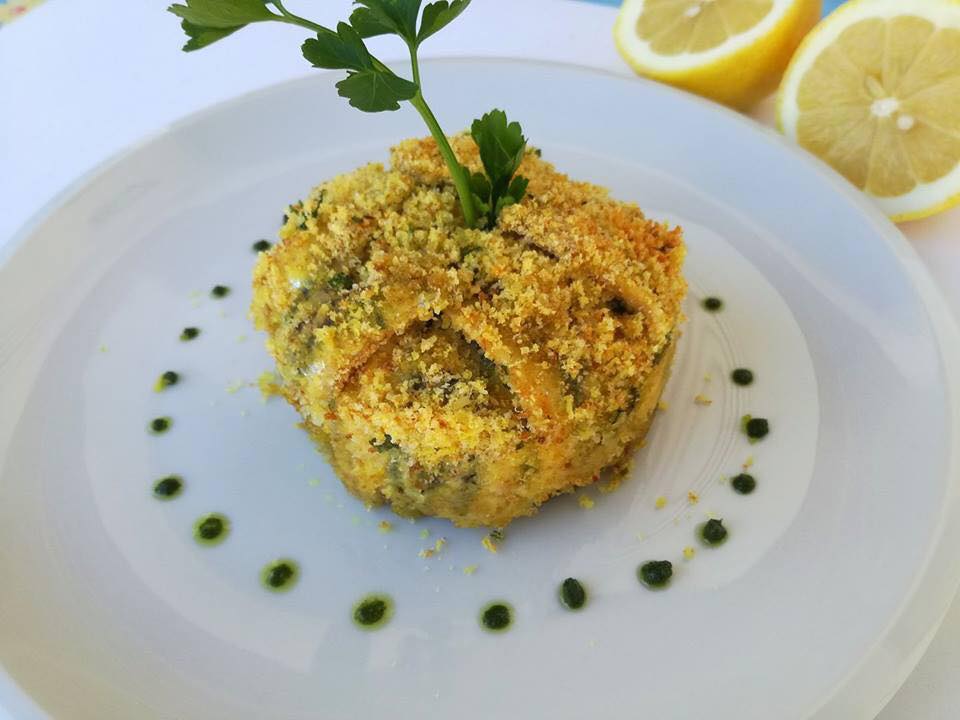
x: 452, y: 346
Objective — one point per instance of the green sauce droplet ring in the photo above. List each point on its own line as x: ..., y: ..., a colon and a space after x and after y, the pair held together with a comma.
x: 167, y: 488
x: 159, y: 425
x: 219, y: 291
x: 655, y: 574
x: 280, y: 575
x: 496, y: 617
x: 712, y: 304
x: 744, y: 483
x: 211, y: 529
x: 189, y: 333
x: 713, y: 532
x: 742, y: 377
x: 573, y: 595
x: 373, y: 611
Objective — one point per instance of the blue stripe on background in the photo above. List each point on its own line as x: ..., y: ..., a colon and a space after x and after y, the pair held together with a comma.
x: 828, y: 5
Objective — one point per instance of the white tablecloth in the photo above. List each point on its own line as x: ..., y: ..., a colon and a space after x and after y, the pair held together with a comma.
x: 83, y: 79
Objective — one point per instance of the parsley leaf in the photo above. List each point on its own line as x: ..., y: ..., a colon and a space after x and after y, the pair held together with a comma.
x: 369, y: 86
x: 502, y: 147
x: 375, y: 90
x: 340, y: 50
x: 438, y: 15
x: 200, y: 37
x: 222, y: 14
x: 385, y: 17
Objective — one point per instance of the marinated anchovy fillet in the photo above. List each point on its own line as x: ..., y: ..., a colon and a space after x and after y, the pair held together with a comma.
x: 464, y: 373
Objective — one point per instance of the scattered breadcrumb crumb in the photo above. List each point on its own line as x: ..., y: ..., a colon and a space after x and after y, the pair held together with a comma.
x: 438, y: 545
x: 313, y: 482
x: 241, y: 338
x: 707, y: 378
x: 236, y: 386
x: 489, y: 544
x: 660, y: 503
x: 435, y: 550
x: 693, y: 497
x: 662, y: 406
x: 424, y: 534
x: 103, y: 348
x: 586, y: 502
x: 702, y: 400
x: 269, y: 384
x: 688, y: 553
x: 748, y: 463
x: 469, y: 569
x: 385, y: 526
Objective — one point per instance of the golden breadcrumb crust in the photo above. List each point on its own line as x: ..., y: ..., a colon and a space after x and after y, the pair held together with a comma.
x: 464, y: 373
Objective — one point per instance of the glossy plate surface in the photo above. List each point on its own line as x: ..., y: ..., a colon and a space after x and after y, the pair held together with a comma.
x: 837, y: 570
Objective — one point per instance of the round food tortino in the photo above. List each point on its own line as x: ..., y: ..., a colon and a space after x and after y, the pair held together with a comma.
x: 463, y: 373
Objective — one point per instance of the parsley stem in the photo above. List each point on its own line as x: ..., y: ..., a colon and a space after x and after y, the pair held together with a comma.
x: 460, y: 178
x: 414, y: 63
x: 289, y: 17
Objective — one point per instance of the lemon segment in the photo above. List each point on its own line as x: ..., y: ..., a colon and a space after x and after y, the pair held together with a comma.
x: 732, y: 51
x: 874, y: 91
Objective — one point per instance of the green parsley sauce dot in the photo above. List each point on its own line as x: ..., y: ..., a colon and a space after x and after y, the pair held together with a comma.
x: 655, y: 574
x: 166, y: 380
x: 167, y: 488
x: 573, y: 595
x: 159, y: 425
x: 712, y: 304
x: 280, y: 575
x: 744, y: 483
x: 496, y: 617
x: 373, y: 612
x: 742, y: 376
x: 219, y: 291
x: 261, y: 246
x: 713, y: 532
x: 189, y: 334
x: 211, y: 529
x: 755, y: 428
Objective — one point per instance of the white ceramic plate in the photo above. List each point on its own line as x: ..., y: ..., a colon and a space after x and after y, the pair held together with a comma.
x: 837, y: 571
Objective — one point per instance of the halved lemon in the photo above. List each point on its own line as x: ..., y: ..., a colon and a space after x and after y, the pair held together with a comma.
x: 733, y: 51
x: 875, y: 91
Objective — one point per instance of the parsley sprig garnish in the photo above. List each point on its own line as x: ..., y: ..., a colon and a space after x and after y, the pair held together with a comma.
x: 371, y: 86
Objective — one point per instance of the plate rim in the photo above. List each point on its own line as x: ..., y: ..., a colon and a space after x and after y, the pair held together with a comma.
x: 867, y: 686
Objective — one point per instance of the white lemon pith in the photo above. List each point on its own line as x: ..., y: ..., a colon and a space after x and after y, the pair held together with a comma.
x: 875, y: 92
x: 733, y: 51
